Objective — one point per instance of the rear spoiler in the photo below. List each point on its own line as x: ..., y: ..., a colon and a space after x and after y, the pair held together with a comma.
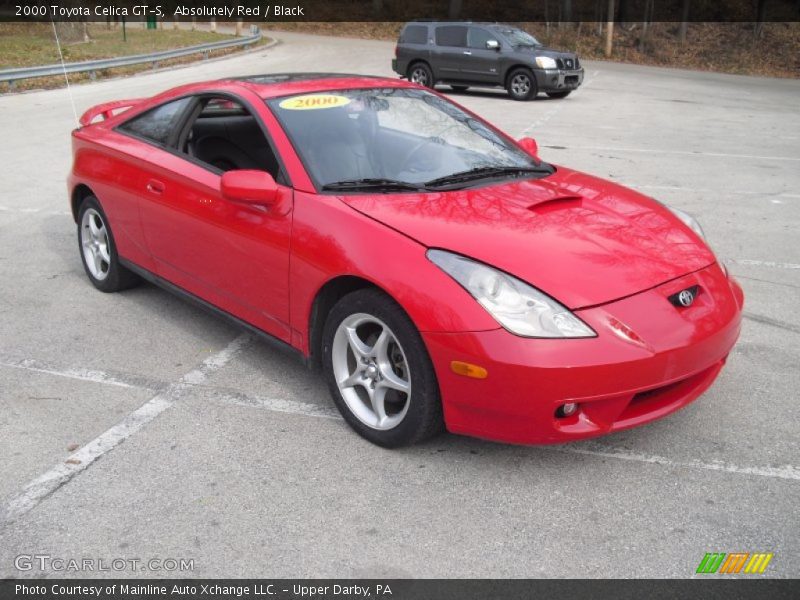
x: 107, y: 110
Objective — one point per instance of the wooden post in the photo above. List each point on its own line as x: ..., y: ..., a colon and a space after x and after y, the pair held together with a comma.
x: 610, y: 29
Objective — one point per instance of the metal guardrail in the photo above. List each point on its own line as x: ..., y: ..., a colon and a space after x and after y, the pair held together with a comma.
x: 92, y: 66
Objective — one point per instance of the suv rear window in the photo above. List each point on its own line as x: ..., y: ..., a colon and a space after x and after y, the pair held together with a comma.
x: 451, y: 35
x: 415, y: 34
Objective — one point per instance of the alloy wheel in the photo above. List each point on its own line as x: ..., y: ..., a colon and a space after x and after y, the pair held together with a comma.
x: 94, y: 242
x: 371, y: 371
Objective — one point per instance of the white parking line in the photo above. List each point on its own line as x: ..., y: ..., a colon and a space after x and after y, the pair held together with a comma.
x: 280, y: 405
x: 763, y: 263
x: 41, y: 487
x: 91, y: 375
x: 30, y: 210
x: 313, y: 410
x: 555, y: 110
x: 685, y: 153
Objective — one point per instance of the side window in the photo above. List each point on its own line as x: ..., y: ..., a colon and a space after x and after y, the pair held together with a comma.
x: 415, y: 34
x: 451, y: 35
x: 226, y: 136
x: 478, y: 37
x: 158, y: 124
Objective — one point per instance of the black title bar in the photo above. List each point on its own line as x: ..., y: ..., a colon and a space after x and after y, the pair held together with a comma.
x: 554, y: 11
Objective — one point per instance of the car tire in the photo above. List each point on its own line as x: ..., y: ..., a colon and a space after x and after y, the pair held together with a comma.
x: 563, y: 94
x: 421, y: 73
x: 459, y: 88
x: 98, y: 250
x: 521, y: 84
x: 371, y: 350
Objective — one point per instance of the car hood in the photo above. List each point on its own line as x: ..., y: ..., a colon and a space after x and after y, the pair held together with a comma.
x: 544, y: 51
x: 583, y: 240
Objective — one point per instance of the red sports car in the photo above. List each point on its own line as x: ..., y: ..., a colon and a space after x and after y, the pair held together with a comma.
x: 439, y: 273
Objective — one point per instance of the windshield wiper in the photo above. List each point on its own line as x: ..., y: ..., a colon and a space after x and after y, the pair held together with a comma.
x: 484, y: 173
x: 376, y: 184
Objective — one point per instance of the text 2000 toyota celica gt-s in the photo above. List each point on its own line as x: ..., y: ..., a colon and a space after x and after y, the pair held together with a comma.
x: 438, y: 272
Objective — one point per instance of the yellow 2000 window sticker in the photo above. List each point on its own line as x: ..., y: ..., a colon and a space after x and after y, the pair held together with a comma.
x: 314, y: 102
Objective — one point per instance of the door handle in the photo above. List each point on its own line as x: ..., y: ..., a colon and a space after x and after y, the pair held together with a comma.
x: 467, y: 52
x: 155, y: 187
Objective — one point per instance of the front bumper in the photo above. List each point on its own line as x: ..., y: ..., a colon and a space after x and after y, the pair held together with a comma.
x: 558, y: 80
x: 648, y: 360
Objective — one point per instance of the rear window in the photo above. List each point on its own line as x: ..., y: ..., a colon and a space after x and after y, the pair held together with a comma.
x: 158, y: 124
x: 451, y: 35
x: 415, y: 34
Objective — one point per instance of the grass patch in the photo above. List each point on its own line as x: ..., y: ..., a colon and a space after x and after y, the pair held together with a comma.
x: 33, y: 44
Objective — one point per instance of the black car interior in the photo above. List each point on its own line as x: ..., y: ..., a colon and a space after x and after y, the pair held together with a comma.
x: 230, y: 138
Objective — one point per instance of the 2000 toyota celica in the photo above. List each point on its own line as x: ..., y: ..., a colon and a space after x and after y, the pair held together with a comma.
x: 438, y: 272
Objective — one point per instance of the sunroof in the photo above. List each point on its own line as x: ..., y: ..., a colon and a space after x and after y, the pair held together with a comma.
x: 289, y: 77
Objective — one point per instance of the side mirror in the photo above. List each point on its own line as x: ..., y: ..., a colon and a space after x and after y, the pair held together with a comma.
x: 249, y: 186
x: 492, y: 45
x: 529, y: 145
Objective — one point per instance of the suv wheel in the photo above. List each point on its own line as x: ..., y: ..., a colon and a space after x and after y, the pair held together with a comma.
x: 421, y: 73
x: 379, y: 372
x: 563, y: 94
x: 521, y: 85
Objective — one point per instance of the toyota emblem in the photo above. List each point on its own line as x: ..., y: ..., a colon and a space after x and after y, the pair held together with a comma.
x: 686, y: 297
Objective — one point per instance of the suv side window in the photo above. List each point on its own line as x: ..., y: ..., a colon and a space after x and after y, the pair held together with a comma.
x: 478, y: 37
x: 451, y: 35
x: 415, y: 34
x: 157, y: 124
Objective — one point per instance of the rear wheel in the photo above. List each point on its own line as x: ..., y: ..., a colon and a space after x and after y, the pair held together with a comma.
x: 521, y: 84
x: 421, y: 73
x: 563, y: 94
x: 98, y: 251
x: 379, y: 372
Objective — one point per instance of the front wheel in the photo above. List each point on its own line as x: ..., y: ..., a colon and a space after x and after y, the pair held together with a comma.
x: 521, y: 85
x: 563, y: 94
x: 379, y: 372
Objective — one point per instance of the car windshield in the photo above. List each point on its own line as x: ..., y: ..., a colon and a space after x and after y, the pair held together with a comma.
x: 517, y: 37
x: 396, y: 139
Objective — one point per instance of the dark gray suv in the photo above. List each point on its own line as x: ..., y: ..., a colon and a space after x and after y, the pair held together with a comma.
x: 484, y: 55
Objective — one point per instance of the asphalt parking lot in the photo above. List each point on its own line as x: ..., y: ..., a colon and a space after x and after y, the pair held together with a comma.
x: 136, y: 426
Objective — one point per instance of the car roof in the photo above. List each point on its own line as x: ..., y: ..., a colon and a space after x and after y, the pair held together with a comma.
x: 273, y: 85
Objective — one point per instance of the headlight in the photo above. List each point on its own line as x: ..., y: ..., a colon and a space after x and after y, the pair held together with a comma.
x: 689, y: 220
x: 545, y: 62
x: 520, y: 308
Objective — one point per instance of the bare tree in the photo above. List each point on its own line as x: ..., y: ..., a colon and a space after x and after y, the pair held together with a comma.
x: 684, y: 20
x: 761, y: 11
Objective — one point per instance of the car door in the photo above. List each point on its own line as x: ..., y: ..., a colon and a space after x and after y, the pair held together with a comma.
x: 450, y: 52
x: 232, y: 255
x: 480, y: 63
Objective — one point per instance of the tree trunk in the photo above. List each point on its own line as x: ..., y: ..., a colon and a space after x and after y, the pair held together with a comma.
x: 761, y: 11
x: 239, y: 27
x: 455, y: 9
x: 610, y: 29
x: 684, y: 21
x: 213, y: 24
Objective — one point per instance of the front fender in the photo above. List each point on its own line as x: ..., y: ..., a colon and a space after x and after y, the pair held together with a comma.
x: 330, y: 239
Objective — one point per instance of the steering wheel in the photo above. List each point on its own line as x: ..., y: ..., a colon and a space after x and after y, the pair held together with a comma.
x: 417, y: 147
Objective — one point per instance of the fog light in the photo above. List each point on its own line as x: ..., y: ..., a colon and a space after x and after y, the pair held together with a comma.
x: 565, y: 410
